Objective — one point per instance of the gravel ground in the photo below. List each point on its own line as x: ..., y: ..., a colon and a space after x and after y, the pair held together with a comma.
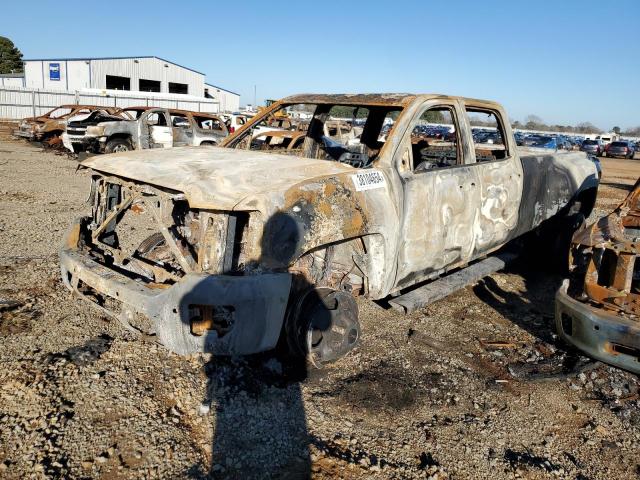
x: 474, y: 386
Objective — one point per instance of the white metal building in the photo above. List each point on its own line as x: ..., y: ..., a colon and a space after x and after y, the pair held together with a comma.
x: 113, y: 81
x: 11, y: 80
x: 229, y: 101
x: 147, y: 74
x: 136, y: 74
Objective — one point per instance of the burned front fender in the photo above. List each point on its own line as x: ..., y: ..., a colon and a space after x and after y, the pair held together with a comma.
x: 324, y: 212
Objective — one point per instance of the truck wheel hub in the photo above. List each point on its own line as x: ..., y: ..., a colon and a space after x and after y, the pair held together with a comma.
x: 326, y: 325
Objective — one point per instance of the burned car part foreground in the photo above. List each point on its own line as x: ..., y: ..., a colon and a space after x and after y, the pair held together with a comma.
x: 598, y: 308
x: 236, y: 249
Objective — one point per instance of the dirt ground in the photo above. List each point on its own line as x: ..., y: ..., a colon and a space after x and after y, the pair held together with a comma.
x: 474, y: 386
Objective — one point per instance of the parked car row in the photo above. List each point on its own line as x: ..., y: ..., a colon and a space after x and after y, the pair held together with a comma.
x: 598, y: 147
x: 622, y: 148
x: 555, y: 142
x: 100, y: 129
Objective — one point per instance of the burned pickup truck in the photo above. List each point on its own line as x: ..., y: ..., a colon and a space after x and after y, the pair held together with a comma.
x: 232, y: 249
x: 144, y: 128
x: 598, y: 307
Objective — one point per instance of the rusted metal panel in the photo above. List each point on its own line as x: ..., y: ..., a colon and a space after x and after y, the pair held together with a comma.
x: 598, y: 310
x: 610, y: 248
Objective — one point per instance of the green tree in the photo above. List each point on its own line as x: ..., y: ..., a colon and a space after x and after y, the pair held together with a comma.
x: 533, y: 122
x: 616, y: 130
x: 10, y: 57
x: 433, y: 116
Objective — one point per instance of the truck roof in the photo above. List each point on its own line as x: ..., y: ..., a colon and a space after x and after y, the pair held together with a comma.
x: 382, y: 99
x: 176, y: 110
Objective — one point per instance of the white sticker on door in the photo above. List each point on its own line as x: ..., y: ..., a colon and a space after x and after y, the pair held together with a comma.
x: 368, y: 180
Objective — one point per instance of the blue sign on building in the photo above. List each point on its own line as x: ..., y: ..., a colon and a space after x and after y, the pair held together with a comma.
x: 54, y: 71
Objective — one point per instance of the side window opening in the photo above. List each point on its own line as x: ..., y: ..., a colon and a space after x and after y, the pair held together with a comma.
x: 179, y: 121
x: 434, y: 140
x: 157, y: 119
x: 59, y: 112
x: 82, y: 111
x: 283, y: 131
x: 138, y: 114
x: 488, y: 135
x: 206, y: 123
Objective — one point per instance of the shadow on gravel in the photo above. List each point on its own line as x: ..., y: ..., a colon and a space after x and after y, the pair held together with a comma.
x: 533, y: 310
x: 627, y: 187
x: 260, y: 421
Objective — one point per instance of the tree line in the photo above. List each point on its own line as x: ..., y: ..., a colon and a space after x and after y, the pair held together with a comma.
x: 10, y: 57
x: 533, y: 122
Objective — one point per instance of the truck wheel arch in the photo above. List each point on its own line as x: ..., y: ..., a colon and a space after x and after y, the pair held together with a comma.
x: 118, y: 139
x: 362, y: 256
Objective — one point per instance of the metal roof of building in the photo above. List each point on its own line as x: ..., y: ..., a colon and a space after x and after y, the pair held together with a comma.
x: 220, y: 88
x: 109, y: 58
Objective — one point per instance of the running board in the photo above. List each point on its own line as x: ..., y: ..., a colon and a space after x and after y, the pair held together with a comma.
x: 440, y: 288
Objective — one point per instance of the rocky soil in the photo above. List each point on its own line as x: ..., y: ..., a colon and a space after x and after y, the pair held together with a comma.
x: 474, y: 386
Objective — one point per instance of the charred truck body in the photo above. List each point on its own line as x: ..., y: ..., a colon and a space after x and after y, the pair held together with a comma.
x: 598, y: 308
x: 228, y: 250
x: 51, y: 125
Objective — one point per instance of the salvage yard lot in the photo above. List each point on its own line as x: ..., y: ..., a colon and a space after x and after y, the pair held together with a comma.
x: 474, y: 386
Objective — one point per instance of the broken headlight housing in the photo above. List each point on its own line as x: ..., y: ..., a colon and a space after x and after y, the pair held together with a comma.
x: 95, y: 131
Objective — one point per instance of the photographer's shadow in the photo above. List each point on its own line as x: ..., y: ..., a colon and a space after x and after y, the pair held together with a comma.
x: 256, y: 400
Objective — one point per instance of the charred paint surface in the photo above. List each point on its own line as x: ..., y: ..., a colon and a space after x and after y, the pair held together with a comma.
x: 550, y: 183
x: 598, y: 309
x: 608, y: 250
x: 440, y: 213
x: 500, y: 196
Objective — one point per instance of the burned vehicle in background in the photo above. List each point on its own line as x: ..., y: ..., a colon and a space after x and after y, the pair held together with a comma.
x: 48, y: 128
x: 149, y: 128
x: 598, y: 307
x: 240, y: 248
x: 75, y: 137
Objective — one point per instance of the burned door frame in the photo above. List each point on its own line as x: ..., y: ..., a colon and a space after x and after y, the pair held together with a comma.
x: 146, y: 130
x: 439, y: 205
x: 182, y: 136
x: 501, y: 184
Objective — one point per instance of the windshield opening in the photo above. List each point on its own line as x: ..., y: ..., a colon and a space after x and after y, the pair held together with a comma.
x: 59, y: 112
x: 348, y: 134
